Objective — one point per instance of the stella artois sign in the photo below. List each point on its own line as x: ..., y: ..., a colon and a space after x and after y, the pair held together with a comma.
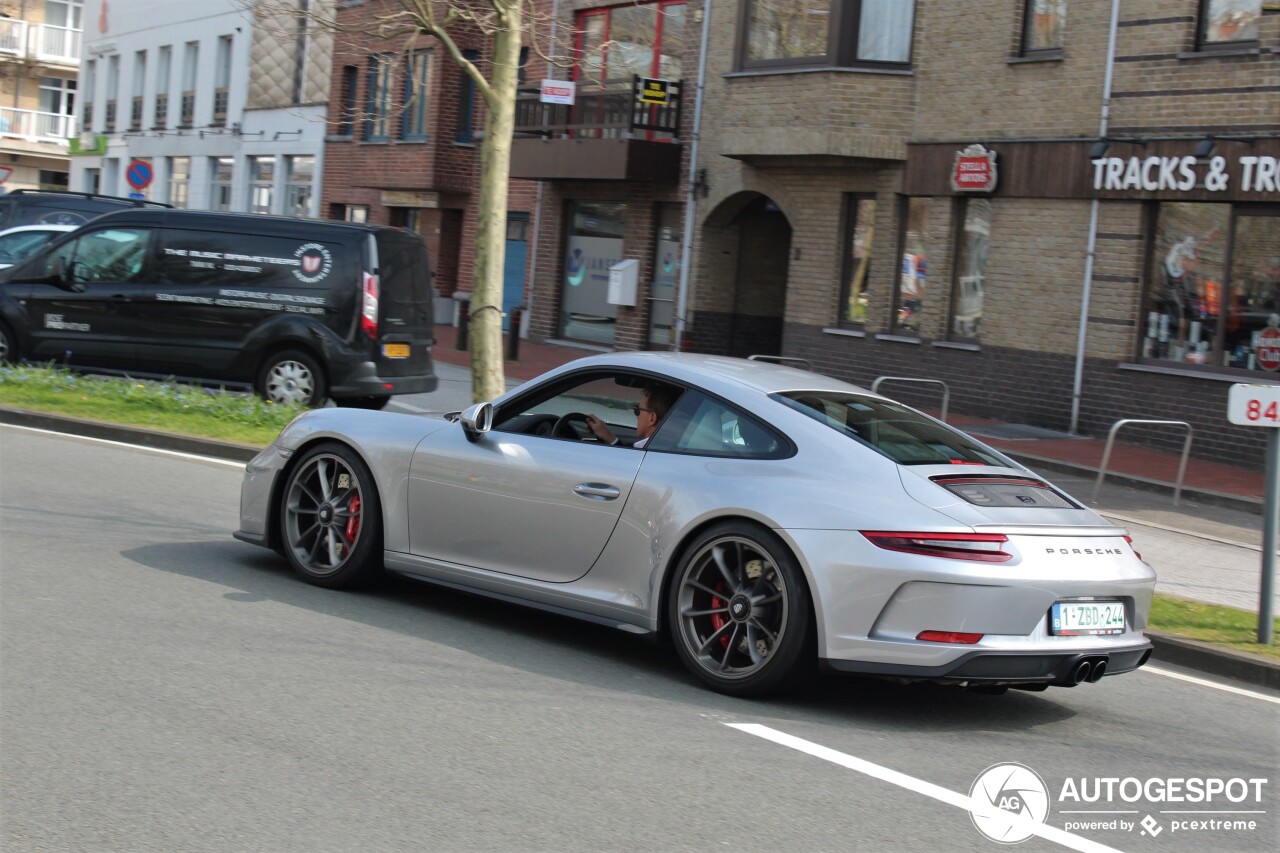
x: 975, y: 170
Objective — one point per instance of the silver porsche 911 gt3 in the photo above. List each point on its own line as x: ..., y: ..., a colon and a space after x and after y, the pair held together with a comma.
x: 776, y: 520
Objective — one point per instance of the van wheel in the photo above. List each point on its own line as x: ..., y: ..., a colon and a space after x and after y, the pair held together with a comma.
x: 292, y: 376
x: 8, y: 345
x: 363, y: 402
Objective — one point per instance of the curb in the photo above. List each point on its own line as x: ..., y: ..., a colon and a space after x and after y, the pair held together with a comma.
x: 129, y: 434
x: 1228, y: 663
x: 1166, y: 648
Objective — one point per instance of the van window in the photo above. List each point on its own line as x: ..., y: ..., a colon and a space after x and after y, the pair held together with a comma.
x: 112, y: 254
x: 403, y: 270
x: 190, y: 257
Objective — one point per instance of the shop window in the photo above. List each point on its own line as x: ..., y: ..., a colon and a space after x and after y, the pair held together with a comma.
x: 1042, y: 27
x: 859, y: 223
x: 262, y: 176
x: 593, y: 244
x: 464, y: 130
x: 378, y: 115
x: 300, y: 173
x: 414, y: 123
x: 222, y: 169
x: 826, y: 32
x: 1228, y: 23
x: 972, y: 242
x: 913, y: 239
x: 1214, y: 294
x: 179, y: 180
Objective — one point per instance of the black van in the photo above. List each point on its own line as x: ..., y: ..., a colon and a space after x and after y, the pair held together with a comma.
x: 61, y: 207
x: 298, y: 309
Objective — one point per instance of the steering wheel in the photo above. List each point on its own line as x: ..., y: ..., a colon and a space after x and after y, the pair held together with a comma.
x: 564, y: 426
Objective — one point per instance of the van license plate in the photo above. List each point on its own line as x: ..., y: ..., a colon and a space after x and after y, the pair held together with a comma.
x: 395, y: 350
x: 1087, y: 618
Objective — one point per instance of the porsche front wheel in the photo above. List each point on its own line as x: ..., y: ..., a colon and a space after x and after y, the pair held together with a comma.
x: 331, y: 519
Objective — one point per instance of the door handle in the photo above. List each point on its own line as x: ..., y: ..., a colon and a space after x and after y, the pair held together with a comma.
x: 596, y: 491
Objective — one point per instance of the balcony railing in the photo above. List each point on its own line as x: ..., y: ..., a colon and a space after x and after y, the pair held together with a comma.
x: 614, y: 111
x: 36, y: 126
x: 55, y: 44
x: 13, y: 37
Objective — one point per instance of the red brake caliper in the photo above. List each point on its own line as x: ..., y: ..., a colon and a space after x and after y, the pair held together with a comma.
x: 717, y: 620
x: 353, y: 523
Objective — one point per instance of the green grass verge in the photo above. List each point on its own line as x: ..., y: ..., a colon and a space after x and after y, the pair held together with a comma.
x: 165, y: 406
x: 1212, y: 623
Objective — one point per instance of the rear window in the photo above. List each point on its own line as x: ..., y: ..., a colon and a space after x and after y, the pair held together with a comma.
x: 904, y: 435
x: 404, y: 274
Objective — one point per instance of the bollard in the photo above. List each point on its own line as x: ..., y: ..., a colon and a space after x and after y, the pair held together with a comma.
x: 513, y: 334
x: 464, y: 324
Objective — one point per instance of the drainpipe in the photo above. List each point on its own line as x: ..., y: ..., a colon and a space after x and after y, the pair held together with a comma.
x: 1091, y: 251
x: 690, y: 202
x: 526, y: 316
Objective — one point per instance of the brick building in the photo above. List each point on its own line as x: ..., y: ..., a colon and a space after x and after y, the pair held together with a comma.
x: 404, y: 131
x: 931, y: 189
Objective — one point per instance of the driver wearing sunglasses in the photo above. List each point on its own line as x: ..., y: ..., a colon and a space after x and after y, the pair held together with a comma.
x: 653, y: 407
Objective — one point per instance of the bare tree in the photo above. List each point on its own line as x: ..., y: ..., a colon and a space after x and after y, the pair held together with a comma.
x: 505, y: 24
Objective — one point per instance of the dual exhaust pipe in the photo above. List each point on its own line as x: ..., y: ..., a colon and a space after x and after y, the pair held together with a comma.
x: 1090, y: 669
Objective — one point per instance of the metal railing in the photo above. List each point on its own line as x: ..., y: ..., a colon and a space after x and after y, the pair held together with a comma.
x: 13, y: 36
x: 1111, y: 437
x: 612, y: 111
x: 36, y: 126
x: 946, y: 392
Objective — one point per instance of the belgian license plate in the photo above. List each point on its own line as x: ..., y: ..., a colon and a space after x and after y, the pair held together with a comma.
x: 395, y: 350
x: 1086, y: 618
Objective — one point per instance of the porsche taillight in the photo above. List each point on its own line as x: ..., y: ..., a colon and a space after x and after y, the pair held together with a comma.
x: 1129, y: 539
x: 979, y: 547
x: 369, y: 306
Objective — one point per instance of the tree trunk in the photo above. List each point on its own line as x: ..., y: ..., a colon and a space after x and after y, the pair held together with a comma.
x: 487, y: 380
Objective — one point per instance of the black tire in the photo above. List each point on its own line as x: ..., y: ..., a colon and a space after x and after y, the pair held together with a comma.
x: 740, y: 612
x: 292, y: 376
x: 8, y: 344
x: 331, y: 519
x: 375, y: 403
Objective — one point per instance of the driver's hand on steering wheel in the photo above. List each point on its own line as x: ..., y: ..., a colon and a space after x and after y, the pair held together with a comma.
x: 602, y: 433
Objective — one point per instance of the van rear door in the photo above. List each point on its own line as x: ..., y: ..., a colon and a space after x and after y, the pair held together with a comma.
x: 406, y: 327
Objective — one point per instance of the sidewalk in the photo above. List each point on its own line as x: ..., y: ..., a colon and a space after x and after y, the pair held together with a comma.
x: 1210, y: 482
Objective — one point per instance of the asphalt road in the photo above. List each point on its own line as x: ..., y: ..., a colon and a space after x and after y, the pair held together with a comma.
x: 164, y: 687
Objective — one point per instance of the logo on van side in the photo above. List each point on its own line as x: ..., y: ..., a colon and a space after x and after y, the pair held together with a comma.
x: 314, y: 263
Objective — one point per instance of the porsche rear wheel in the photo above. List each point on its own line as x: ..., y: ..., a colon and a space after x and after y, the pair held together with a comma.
x: 331, y: 519
x: 740, y: 614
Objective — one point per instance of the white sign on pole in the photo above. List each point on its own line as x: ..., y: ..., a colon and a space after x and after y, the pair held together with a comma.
x: 557, y: 92
x: 1254, y: 405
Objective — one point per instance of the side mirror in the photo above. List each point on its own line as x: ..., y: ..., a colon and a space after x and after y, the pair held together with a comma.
x: 477, y: 420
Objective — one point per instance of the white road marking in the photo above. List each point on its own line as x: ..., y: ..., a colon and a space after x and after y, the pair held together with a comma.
x: 156, y: 450
x: 919, y: 786
x: 1204, y: 682
x: 396, y: 405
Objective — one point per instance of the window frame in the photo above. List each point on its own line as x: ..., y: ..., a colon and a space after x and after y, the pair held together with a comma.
x: 843, y: 33
x: 348, y: 101
x: 1028, y: 23
x: 850, y: 206
x: 377, y: 119
x: 413, y: 119
x: 1202, y: 29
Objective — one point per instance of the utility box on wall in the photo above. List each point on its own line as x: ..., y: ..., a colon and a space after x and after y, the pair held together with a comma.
x: 623, y: 277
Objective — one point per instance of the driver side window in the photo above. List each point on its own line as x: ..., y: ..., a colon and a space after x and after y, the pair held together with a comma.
x: 110, y: 255
x: 561, y: 411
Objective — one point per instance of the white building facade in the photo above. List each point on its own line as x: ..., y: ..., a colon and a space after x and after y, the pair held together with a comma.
x: 220, y: 110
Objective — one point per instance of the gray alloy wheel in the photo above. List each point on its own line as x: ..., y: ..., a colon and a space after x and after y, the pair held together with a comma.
x: 331, y: 518
x: 292, y: 377
x: 740, y: 611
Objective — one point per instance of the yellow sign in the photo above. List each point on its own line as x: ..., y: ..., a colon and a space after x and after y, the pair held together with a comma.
x: 654, y: 91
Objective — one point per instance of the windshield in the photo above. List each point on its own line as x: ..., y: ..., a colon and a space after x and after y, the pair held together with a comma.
x: 904, y: 435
